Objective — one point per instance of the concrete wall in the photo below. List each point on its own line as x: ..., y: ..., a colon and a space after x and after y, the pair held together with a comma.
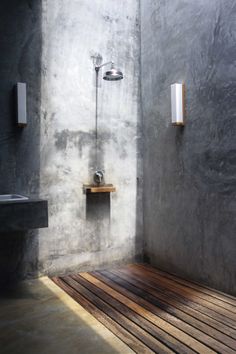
x: 98, y: 230
x: 20, y: 60
x: 20, y: 46
x: 190, y: 173
x: 52, y: 45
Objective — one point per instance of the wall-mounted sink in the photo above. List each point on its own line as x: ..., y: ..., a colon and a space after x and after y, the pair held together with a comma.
x: 12, y: 197
x: 20, y: 213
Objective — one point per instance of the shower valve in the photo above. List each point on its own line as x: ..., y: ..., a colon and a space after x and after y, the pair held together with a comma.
x: 98, y: 177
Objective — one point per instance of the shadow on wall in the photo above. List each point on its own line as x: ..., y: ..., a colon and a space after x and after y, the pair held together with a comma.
x: 98, y: 206
x: 98, y: 209
x: 20, y: 61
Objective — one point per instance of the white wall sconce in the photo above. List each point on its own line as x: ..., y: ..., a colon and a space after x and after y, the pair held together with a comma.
x: 21, y: 104
x: 177, y: 104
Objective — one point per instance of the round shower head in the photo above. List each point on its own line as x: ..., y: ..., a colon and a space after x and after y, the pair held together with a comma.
x: 113, y: 74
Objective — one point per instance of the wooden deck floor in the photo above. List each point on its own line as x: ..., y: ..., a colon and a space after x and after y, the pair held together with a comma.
x: 153, y: 311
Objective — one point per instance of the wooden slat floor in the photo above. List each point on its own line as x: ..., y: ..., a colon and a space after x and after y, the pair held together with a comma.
x: 155, y: 312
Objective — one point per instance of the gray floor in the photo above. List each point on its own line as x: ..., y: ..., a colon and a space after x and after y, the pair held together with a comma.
x: 40, y: 318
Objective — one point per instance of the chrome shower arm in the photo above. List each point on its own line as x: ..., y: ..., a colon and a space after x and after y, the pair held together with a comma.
x: 98, y: 67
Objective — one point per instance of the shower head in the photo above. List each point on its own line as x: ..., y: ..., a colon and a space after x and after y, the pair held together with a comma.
x: 113, y: 74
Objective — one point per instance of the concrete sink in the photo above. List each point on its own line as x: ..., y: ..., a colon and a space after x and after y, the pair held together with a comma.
x: 19, y: 213
x: 11, y: 197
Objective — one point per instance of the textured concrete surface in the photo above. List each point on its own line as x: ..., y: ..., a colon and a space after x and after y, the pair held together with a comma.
x: 75, y: 34
x: 190, y: 173
x: 20, y: 60
x: 38, y: 317
x: 20, y: 46
x: 52, y: 46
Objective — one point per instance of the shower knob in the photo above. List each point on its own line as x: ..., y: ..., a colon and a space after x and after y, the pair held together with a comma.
x: 99, y: 177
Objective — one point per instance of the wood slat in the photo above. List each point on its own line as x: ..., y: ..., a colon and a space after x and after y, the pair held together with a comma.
x: 107, y: 188
x: 132, y: 341
x: 193, y: 327
x: 176, y: 302
x: 157, y: 321
x: 156, y: 312
x: 130, y: 314
x: 202, y: 288
x: 122, y: 320
x: 187, y: 292
x: 191, y: 289
x: 202, y: 305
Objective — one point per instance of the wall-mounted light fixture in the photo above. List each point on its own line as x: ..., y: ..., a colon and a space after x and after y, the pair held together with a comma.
x: 21, y: 104
x: 177, y: 104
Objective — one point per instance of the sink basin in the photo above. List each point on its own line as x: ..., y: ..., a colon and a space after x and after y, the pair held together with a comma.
x: 11, y: 197
x: 19, y: 213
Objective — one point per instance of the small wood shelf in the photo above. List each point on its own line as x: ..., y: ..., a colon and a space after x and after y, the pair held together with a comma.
x: 91, y: 188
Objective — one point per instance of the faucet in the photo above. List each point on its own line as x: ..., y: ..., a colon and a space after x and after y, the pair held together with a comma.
x: 98, y: 177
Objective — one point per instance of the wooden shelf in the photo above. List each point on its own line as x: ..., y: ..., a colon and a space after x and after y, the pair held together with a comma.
x: 106, y: 188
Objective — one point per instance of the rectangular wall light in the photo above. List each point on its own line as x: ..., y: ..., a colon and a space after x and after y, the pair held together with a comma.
x: 21, y: 104
x: 177, y: 104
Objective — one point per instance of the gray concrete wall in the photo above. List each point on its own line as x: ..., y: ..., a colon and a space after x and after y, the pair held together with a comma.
x: 89, y: 232
x: 51, y: 45
x: 20, y: 61
x: 190, y: 173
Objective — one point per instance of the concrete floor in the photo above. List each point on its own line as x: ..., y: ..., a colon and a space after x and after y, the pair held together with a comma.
x: 38, y: 317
